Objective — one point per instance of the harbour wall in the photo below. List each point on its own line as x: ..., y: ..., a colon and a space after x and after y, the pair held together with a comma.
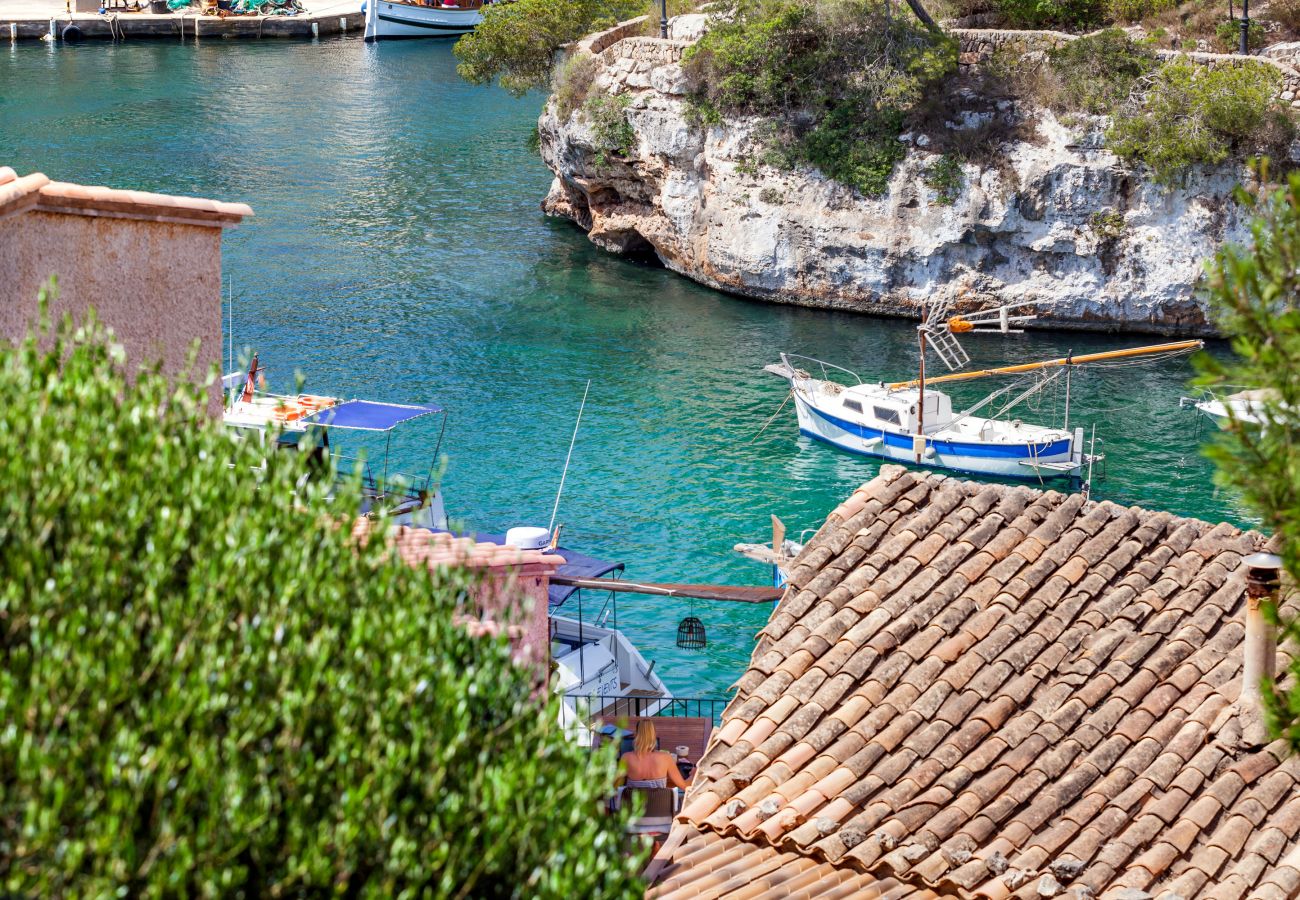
x: 116, y: 26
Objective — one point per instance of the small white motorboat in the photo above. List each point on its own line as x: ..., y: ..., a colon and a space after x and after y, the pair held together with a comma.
x: 411, y: 19
x: 1244, y: 406
x: 911, y: 422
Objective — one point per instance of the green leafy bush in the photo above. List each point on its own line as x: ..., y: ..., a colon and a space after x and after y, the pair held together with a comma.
x: 1228, y: 35
x: 1107, y: 224
x: 610, y: 127
x: 946, y: 177
x: 1194, y: 115
x: 1286, y: 13
x: 834, y: 77
x: 1096, y: 73
x: 516, y: 42
x: 1065, y: 14
x: 209, y: 689
x: 1136, y: 10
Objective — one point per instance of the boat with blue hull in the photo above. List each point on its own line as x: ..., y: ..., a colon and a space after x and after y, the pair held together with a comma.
x: 912, y: 422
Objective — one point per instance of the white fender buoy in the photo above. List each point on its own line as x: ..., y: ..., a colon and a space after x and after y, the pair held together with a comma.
x: 343, y: 24
x: 315, y: 29
x: 53, y: 33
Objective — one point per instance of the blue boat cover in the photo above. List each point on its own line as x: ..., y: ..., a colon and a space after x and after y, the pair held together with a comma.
x: 576, y: 565
x: 369, y: 415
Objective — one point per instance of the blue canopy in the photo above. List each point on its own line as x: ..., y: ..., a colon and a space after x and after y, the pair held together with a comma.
x: 369, y: 415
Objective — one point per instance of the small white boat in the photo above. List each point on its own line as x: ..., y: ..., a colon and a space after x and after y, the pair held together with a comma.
x: 1243, y: 406
x: 280, y: 422
x: 911, y: 422
x: 408, y: 19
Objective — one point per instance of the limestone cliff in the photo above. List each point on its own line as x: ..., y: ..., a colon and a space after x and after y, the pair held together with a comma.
x: 1057, y: 219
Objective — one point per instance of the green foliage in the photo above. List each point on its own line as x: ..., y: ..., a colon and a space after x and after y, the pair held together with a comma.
x: 771, y: 196
x: 1255, y: 292
x: 1062, y: 14
x: 209, y: 689
x: 572, y: 82
x: 1107, y: 224
x: 1096, y: 73
x: 946, y: 177
x: 835, y: 77
x: 1136, y: 10
x: 1194, y: 115
x: 1286, y: 13
x: 610, y: 127
x: 1228, y: 34
x: 517, y: 41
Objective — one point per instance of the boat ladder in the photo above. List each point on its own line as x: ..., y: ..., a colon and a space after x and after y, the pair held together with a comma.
x: 945, y: 346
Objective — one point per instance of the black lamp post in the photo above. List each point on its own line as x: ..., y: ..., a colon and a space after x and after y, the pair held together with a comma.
x: 663, y: 23
x: 1245, y: 27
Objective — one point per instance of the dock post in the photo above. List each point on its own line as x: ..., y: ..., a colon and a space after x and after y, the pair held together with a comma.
x: 315, y: 29
x: 343, y: 25
x: 53, y: 33
x: 13, y: 32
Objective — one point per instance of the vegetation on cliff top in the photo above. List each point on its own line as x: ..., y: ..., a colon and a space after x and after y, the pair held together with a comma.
x: 209, y: 689
x: 834, y: 78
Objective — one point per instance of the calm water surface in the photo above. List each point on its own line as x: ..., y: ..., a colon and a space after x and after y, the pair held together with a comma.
x: 398, y: 253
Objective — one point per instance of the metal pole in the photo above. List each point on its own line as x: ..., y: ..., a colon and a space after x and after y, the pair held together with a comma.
x: 1245, y: 27
x: 663, y: 21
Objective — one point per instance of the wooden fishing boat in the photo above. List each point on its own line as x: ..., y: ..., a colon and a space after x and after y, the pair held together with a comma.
x: 387, y: 19
x: 911, y: 422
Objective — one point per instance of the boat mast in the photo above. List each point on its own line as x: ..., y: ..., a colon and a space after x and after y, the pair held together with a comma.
x: 1177, y: 347
x: 920, y: 394
x: 1069, y: 363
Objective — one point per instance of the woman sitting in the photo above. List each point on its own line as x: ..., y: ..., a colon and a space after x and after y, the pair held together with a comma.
x: 646, y: 767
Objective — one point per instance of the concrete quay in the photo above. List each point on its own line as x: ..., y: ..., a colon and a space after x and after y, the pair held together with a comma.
x: 23, y: 20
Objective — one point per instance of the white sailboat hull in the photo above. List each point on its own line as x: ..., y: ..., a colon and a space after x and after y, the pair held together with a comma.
x: 599, y: 671
x: 973, y: 446
x: 386, y: 19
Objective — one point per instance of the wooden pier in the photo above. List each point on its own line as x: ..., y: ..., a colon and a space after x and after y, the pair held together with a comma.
x: 43, y: 19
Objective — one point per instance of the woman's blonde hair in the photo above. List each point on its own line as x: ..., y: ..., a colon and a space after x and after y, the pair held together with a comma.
x: 645, y: 737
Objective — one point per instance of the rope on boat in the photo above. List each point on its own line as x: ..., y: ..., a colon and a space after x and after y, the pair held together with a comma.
x: 774, y: 415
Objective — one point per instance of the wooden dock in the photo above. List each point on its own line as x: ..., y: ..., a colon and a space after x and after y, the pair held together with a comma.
x: 38, y: 19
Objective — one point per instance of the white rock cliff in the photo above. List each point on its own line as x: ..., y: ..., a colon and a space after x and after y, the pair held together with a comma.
x: 1060, y: 221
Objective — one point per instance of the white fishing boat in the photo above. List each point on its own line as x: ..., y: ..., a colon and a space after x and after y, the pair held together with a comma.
x: 281, y: 422
x: 1243, y: 406
x: 911, y: 422
x: 409, y: 19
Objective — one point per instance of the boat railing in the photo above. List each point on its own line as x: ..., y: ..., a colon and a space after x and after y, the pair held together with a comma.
x: 608, y: 705
x: 822, y: 365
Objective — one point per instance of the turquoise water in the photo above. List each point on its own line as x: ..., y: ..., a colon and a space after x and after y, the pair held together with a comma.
x: 398, y: 253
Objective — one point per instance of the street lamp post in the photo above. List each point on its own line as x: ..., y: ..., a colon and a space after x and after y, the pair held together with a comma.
x: 663, y: 21
x: 1245, y: 27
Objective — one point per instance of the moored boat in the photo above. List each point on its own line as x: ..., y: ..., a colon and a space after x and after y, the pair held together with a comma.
x: 410, y: 19
x: 911, y: 422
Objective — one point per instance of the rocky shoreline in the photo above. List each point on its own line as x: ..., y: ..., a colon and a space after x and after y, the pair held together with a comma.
x: 1059, y: 220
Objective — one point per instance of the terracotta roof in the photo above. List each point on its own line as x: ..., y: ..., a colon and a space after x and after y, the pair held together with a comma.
x: 975, y: 690
x: 36, y: 191
x: 421, y: 547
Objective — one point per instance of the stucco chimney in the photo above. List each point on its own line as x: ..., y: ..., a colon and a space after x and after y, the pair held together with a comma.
x: 1260, y: 650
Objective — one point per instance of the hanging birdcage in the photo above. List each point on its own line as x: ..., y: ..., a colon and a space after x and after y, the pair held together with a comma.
x: 690, y: 634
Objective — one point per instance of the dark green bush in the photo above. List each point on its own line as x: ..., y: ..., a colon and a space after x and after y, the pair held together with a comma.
x: 573, y: 80
x: 1095, y: 74
x: 208, y: 689
x: 610, y: 127
x: 946, y: 177
x: 834, y: 77
x: 1228, y: 35
x: 1194, y: 115
x: 1136, y: 10
x: 1074, y: 15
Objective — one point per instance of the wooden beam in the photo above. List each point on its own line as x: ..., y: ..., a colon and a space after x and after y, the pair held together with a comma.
x: 724, y: 592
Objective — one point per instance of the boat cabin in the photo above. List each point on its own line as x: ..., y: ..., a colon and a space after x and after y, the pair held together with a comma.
x: 879, y: 407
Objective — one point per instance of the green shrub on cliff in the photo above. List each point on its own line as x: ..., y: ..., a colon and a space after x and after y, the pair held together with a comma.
x: 208, y: 689
x: 1190, y: 115
x: 610, y: 127
x: 1060, y: 14
x: 835, y: 78
x: 1095, y: 74
x: 516, y: 42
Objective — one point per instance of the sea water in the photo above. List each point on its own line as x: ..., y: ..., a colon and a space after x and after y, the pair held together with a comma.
x: 397, y: 252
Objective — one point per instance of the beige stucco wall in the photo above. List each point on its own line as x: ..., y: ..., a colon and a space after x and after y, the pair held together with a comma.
x: 157, y: 284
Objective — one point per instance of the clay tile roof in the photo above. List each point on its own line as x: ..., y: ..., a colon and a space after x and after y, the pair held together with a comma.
x: 421, y: 547
x: 975, y: 690
x: 36, y: 191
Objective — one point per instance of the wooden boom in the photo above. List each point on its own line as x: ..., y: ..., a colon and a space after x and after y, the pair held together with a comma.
x: 1176, y: 347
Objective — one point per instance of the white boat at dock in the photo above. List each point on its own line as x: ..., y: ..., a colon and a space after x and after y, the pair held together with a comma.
x: 407, y: 19
x: 911, y: 422
x: 1247, y: 406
